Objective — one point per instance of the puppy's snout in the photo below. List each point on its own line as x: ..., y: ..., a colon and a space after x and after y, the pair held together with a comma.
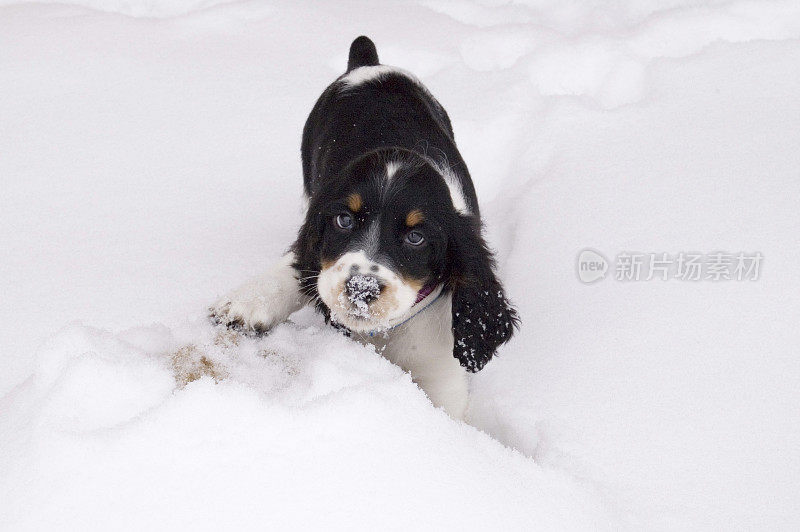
x: 362, y: 288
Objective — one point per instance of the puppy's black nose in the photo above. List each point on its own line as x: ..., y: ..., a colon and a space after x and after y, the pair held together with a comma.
x: 362, y: 288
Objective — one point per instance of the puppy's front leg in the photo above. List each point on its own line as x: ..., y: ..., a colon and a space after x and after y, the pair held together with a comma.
x: 263, y: 302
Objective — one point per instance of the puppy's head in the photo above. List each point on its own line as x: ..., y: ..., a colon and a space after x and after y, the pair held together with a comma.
x: 389, y: 233
x: 375, y: 239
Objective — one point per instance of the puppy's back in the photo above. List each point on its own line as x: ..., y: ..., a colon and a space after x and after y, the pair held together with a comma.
x: 371, y: 107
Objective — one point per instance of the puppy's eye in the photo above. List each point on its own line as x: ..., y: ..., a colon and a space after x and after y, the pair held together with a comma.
x: 344, y: 221
x: 415, y: 238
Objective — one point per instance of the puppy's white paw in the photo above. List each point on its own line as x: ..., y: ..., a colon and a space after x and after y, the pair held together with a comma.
x: 262, y: 303
x: 247, y: 312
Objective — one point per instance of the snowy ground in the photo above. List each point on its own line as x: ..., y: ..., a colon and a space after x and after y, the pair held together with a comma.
x: 149, y: 156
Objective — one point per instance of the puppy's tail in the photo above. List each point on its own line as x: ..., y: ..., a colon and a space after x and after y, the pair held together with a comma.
x: 362, y: 53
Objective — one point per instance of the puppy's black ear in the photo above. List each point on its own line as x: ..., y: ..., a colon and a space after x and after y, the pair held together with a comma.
x: 306, y: 249
x: 306, y: 246
x: 483, y: 318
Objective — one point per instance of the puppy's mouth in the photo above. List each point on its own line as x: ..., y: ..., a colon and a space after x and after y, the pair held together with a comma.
x: 425, y: 291
x: 361, y: 290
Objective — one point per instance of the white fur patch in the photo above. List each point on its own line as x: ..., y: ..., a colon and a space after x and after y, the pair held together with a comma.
x: 371, y: 240
x: 363, y: 74
x: 391, y: 168
x: 388, y: 309
x: 456, y: 194
x: 453, y: 185
x: 264, y: 301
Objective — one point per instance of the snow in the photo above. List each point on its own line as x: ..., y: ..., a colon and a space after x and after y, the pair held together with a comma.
x: 299, y: 429
x: 150, y: 156
x: 360, y: 289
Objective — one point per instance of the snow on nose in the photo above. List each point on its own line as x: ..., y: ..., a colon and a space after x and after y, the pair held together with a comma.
x: 361, y: 290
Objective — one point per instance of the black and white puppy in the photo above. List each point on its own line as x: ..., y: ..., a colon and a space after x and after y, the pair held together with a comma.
x: 391, y: 247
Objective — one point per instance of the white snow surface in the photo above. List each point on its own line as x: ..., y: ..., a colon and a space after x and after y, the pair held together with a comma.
x: 149, y: 154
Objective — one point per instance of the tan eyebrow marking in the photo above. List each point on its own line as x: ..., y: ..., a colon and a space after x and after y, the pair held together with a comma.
x: 415, y: 217
x: 354, y: 202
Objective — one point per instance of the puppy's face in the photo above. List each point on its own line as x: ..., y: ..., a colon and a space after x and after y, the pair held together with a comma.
x: 382, y: 240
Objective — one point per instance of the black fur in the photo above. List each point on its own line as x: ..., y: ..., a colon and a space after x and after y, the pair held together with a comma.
x: 483, y: 318
x: 362, y: 53
x: 393, y: 112
x: 350, y: 135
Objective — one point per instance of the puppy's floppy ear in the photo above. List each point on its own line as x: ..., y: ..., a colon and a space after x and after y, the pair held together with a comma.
x: 306, y: 246
x: 483, y: 318
x: 307, y: 250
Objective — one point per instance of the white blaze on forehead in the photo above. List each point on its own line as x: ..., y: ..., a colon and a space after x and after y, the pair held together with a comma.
x: 391, y: 168
x: 366, y: 73
x: 371, y: 240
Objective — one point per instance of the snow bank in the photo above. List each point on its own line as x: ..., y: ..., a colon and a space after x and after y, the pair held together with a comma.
x: 197, y: 428
x: 154, y: 165
x: 136, y: 8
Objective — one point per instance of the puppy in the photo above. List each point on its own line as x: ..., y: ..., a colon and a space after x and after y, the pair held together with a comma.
x: 391, y: 249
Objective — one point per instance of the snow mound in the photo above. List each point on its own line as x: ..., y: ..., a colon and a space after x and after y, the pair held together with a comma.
x: 149, y: 156
x: 200, y: 427
x: 580, y: 49
x: 136, y: 8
